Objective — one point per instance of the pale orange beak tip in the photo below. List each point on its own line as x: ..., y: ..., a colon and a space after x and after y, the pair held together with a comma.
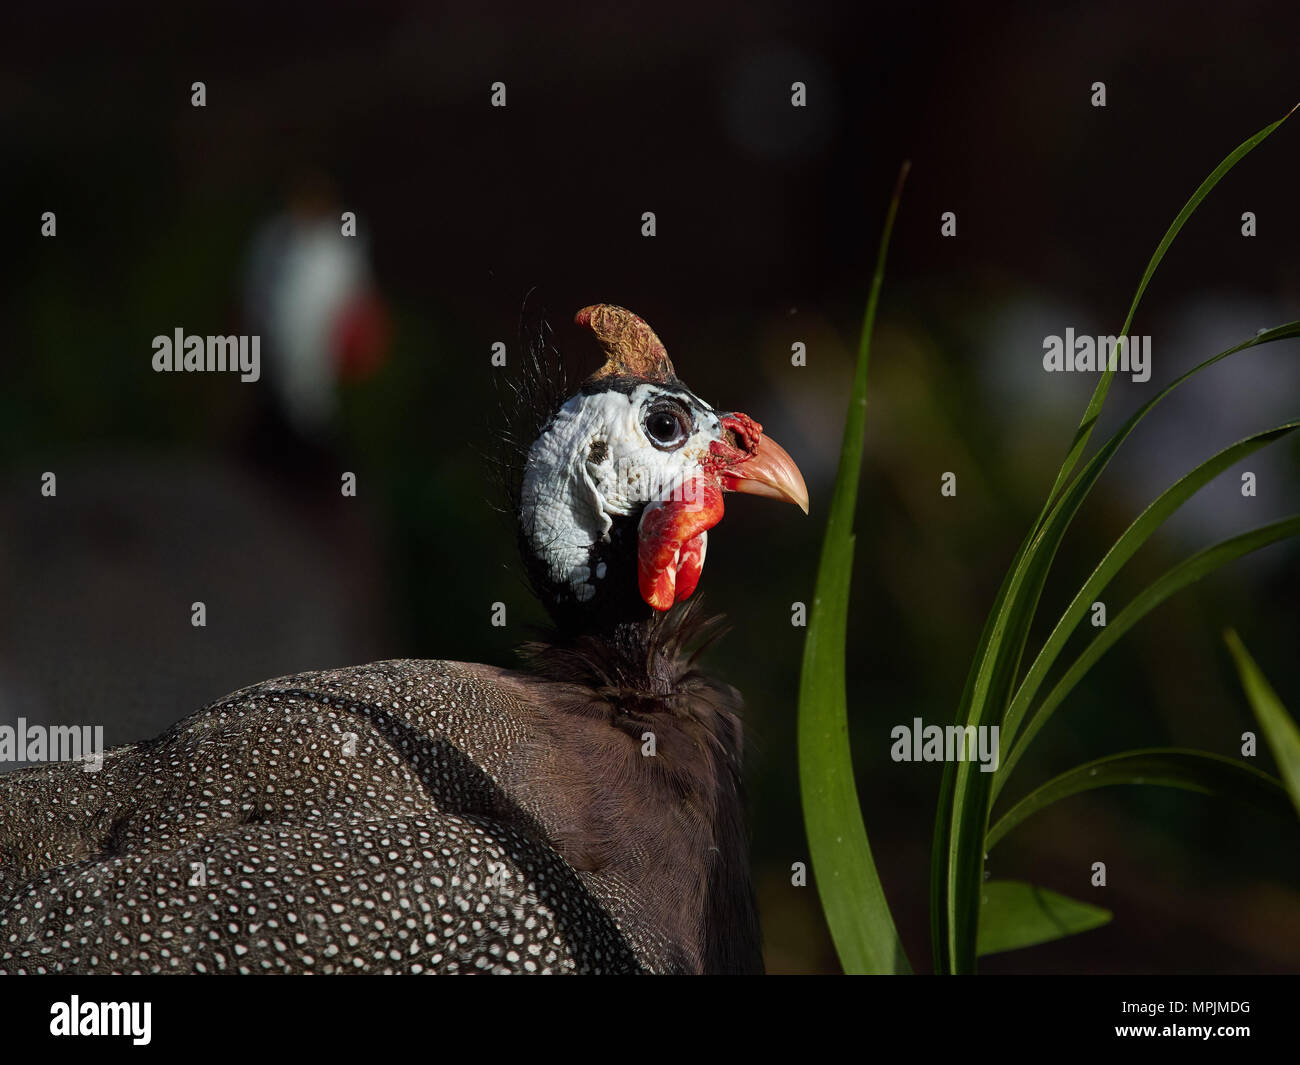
x: 770, y: 473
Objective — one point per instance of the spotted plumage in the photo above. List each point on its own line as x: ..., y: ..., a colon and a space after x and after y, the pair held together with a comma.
x: 368, y: 819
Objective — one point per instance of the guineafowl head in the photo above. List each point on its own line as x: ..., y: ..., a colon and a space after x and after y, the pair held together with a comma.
x: 627, y: 476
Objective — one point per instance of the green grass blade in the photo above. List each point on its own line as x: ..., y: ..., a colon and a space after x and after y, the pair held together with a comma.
x: 1279, y: 729
x: 852, y: 896
x: 1166, y: 767
x: 1187, y: 572
x: 944, y: 823
x: 1090, y: 415
x: 966, y: 794
x: 1120, y: 552
x: 1014, y: 914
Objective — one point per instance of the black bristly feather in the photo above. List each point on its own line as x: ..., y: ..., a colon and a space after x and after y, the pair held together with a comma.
x: 527, y: 398
x: 653, y: 657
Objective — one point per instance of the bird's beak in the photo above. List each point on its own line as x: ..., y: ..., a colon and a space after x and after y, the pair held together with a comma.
x: 769, y: 471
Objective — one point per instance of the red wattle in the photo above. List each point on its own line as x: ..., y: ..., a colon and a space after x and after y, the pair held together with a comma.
x: 670, y: 550
x: 690, y: 564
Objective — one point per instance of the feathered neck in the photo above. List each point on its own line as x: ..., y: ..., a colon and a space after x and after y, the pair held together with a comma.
x: 654, y: 655
x: 605, y: 694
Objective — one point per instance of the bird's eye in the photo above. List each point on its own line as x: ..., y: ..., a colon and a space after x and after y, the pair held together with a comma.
x: 667, y: 427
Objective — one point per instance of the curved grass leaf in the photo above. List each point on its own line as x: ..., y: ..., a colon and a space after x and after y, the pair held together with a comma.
x: 965, y: 796
x: 1185, y: 573
x: 1279, y: 730
x: 942, y: 928
x: 1103, y: 386
x: 1167, y: 767
x: 1120, y: 552
x: 852, y: 897
x: 1014, y: 914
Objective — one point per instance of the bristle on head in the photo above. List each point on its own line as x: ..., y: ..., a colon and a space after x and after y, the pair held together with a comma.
x: 630, y: 345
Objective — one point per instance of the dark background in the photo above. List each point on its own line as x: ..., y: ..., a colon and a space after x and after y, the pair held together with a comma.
x: 177, y: 488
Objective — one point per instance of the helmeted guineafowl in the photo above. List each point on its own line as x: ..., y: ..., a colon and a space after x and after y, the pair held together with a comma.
x: 583, y: 814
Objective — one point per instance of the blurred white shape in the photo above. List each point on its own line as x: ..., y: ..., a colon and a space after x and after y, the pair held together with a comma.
x: 308, y: 291
x: 1241, y: 395
x: 1246, y: 393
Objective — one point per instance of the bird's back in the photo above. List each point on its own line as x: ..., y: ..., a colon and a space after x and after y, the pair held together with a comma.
x: 406, y: 816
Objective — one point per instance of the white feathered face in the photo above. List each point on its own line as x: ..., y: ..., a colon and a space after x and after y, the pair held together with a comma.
x: 634, y: 461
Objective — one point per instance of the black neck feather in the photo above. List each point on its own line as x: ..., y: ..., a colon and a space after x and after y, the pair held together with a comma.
x: 687, y: 801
